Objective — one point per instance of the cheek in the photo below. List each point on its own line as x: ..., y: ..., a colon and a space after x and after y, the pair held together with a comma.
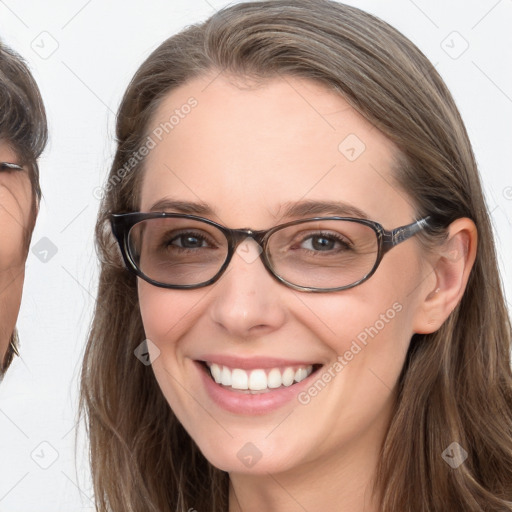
x: 11, y: 284
x: 356, y: 316
x: 368, y: 330
x: 369, y: 338
x: 15, y: 211
x: 167, y: 314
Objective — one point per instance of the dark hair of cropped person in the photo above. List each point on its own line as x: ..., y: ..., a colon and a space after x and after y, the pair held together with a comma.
x: 23, y: 127
x: 456, y: 384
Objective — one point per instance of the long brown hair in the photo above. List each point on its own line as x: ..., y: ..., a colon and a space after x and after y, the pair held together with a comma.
x: 456, y: 384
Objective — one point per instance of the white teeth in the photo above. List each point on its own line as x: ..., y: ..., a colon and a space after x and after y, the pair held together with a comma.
x: 216, y: 372
x: 258, y: 380
x: 226, y: 376
x: 301, y: 374
x: 274, y: 378
x: 288, y: 377
x: 239, y: 379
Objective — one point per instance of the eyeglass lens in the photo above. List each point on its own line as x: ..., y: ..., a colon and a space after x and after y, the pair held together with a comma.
x: 317, y: 254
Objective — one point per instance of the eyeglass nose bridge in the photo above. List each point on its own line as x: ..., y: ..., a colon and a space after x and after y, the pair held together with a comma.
x: 236, y: 237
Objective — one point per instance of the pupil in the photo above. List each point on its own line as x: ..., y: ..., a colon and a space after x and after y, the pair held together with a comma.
x: 320, y: 243
x: 191, y: 241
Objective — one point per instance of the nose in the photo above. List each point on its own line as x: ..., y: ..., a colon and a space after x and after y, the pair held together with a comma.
x: 247, y: 301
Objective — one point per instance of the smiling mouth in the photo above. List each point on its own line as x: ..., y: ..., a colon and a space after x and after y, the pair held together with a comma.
x: 258, y: 380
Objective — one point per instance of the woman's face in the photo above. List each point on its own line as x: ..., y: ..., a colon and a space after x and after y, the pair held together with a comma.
x: 243, y: 156
x: 15, y: 217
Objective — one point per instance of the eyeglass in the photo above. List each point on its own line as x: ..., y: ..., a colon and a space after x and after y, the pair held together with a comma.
x: 320, y: 254
x: 10, y: 166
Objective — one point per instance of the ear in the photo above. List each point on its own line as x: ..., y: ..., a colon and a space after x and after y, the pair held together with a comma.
x: 452, y: 263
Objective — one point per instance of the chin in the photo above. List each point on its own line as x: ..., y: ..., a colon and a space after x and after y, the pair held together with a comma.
x: 240, y: 456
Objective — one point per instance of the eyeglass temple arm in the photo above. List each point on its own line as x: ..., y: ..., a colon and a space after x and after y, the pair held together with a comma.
x: 402, y: 233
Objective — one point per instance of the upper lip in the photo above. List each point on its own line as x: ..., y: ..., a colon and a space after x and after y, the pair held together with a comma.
x: 252, y: 363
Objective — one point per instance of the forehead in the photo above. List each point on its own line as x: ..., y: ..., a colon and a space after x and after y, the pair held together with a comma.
x: 247, y: 149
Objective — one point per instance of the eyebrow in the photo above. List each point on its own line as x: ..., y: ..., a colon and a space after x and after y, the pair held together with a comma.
x: 290, y: 209
x: 187, y: 207
x: 312, y: 208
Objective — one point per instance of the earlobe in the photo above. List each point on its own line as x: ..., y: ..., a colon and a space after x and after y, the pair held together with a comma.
x: 452, y: 266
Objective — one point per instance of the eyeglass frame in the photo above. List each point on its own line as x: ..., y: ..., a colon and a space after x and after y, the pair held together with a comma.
x: 122, y: 223
x: 10, y: 166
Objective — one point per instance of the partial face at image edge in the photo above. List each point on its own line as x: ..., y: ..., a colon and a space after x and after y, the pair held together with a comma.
x: 17, y: 214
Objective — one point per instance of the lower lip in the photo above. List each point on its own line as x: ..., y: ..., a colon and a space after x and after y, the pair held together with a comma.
x: 247, y: 403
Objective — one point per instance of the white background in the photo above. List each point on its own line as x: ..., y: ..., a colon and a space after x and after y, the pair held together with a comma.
x: 98, y: 46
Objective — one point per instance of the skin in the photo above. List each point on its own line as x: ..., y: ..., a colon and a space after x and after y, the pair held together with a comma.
x: 247, y: 150
x: 15, y: 222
